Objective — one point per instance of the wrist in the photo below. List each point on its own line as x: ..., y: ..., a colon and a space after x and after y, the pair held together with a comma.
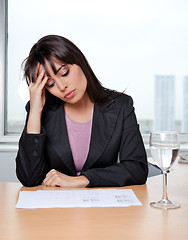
x: 34, y: 123
x: 35, y: 112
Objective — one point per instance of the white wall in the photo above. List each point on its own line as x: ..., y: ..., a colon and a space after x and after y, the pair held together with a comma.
x: 8, y: 166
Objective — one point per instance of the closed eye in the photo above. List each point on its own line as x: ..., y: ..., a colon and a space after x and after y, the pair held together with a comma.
x: 65, y: 74
x: 50, y: 83
x: 62, y: 73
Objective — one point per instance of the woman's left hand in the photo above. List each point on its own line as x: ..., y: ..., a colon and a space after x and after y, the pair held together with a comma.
x: 54, y: 178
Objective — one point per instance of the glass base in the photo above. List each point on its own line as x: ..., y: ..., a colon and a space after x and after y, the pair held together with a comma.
x: 165, y: 204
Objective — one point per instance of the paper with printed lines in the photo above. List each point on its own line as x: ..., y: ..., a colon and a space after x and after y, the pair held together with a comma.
x: 77, y: 198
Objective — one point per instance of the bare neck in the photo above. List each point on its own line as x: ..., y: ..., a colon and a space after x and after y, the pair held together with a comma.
x: 80, y: 112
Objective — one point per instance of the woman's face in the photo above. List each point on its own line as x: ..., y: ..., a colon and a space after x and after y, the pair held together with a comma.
x: 68, y: 82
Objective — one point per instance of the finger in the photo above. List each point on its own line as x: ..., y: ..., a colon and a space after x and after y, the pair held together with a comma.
x: 37, y: 71
x: 55, y: 182
x: 53, y: 178
x: 40, y: 77
x: 39, y: 86
x: 51, y: 181
x: 44, y: 81
x: 51, y: 172
x: 30, y: 80
x: 32, y: 77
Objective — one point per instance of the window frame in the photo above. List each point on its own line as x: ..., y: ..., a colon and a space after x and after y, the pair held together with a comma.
x: 13, y: 138
x: 4, y: 138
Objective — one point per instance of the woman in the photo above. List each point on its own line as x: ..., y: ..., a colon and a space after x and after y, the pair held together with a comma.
x: 77, y: 133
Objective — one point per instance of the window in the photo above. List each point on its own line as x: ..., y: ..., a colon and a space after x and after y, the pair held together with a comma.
x: 136, y: 46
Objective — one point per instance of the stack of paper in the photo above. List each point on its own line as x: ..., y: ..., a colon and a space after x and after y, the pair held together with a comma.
x: 77, y: 198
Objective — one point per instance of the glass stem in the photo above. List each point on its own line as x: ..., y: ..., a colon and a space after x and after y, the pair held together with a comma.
x: 165, y: 196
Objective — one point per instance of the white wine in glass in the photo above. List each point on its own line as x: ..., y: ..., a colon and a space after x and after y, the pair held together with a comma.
x: 164, y: 147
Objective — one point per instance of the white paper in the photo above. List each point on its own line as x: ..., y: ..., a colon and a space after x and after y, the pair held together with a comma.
x: 77, y: 198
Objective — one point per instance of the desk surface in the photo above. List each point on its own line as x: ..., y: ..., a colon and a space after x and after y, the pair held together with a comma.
x: 135, y: 222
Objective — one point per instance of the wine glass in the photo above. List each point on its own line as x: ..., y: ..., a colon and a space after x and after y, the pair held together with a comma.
x: 164, y: 149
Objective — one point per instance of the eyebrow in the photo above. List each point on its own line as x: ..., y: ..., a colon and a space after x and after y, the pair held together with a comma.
x: 60, y: 68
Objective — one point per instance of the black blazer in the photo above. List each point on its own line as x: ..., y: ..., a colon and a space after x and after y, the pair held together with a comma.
x: 116, y: 156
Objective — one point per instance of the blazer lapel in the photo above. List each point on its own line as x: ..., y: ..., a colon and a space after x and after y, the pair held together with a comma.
x: 104, y: 121
x: 58, y: 136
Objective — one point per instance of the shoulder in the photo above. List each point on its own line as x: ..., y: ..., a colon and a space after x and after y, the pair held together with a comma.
x: 124, y: 104
x: 122, y: 100
x: 118, y: 102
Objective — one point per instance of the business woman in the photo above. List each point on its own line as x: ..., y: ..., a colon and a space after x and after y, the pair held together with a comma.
x: 77, y: 133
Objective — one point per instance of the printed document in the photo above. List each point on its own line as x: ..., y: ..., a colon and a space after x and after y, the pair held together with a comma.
x: 77, y: 198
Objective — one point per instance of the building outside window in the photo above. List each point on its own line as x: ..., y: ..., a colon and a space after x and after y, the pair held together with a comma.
x: 185, y: 105
x: 164, y: 119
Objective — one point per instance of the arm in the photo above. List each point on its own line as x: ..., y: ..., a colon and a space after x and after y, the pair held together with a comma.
x: 30, y: 160
x: 132, y: 167
x: 30, y: 164
x: 37, y: 101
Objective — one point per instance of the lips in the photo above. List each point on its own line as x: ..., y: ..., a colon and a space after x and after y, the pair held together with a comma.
x: 70, y: 94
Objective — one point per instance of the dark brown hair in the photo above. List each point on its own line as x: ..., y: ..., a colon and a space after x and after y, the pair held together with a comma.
x: 62, y: 49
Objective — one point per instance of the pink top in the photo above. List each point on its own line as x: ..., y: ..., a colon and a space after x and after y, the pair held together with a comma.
x: 79, y: 139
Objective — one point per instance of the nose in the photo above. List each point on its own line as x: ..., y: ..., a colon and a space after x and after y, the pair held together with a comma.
x: 62, y: 85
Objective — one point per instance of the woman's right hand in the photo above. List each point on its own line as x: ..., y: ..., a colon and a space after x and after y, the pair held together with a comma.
x: 37, y: 101
x: 37, y: 92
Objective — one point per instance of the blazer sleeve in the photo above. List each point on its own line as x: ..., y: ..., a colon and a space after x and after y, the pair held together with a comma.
x: 132, y: 167
x: 30, y: 159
